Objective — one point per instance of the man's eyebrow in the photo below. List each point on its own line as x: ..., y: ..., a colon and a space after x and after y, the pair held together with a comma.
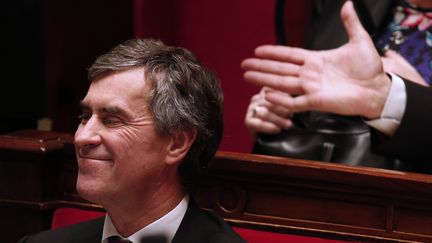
x: 114, y: 110
x: 111, y: 110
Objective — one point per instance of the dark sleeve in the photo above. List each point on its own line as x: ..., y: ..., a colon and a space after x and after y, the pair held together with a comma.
x: 89, y: 231
x: 413, y: 139
x: 326, y: 30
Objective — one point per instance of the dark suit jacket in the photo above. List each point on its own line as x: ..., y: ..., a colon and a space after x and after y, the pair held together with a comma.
x: 326, y: 30
x: 197, y: 226
x: 413, y: 138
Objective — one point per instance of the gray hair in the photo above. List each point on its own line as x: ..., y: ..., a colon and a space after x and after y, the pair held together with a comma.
x: 184, y: 95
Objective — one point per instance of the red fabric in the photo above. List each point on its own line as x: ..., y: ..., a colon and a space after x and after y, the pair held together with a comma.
x: 65, y: 216
x: 257, y: 236
x: 221, y: 34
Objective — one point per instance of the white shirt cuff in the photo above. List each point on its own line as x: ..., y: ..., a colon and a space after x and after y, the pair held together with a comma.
x: 394, y: 108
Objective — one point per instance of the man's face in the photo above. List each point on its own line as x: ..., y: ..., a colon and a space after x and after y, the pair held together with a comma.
x: 117, y: 147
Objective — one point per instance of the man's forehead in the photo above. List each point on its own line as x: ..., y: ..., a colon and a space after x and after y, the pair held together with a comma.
x: 131, y: 79
x: 126, y: 84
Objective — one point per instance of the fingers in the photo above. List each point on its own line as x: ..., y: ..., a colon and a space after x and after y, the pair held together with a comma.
x: 282, y: 53
x: 280, y: 119
x: 296, y: 104
x: 263, y: 116
x: 262, y: 109
x: 274, y: 74
x: 278, y: 67
x: 270, y: 66
x: 352, y: 23
x: 288, y: 84
x: 258, y: 126
x: 261, y: 119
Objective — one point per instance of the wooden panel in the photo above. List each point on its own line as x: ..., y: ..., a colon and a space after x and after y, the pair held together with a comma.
x: 316, y: 198
x: 20, y: 180
x: 412, y: 220
x: 317, y: 209
x: 252, y: 191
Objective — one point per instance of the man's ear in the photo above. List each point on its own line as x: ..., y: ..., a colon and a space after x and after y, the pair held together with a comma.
x: 179, y: 145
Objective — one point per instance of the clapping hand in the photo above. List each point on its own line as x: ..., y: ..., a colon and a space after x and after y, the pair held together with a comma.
x: 349, y: 80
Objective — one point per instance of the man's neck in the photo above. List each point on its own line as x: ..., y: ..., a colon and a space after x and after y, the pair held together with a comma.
x: 164, y: 229
x: 133, y: 215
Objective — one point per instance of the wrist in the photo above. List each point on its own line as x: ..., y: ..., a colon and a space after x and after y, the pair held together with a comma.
x: 393, y: 110
x: 378, y: 97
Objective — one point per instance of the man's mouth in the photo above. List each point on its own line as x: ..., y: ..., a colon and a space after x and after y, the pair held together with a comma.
x: 92, y: 155
x: 94, y: 158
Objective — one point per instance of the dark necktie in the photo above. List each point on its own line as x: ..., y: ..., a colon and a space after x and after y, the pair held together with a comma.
x: 118, y: 239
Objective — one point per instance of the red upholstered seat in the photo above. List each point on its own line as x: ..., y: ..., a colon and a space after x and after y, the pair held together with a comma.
x: 66, y: 216
x: 258, y: 236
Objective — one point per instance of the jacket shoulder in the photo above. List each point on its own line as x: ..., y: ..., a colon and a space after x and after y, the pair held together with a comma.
x: 202, y: 226
x: 88, y: 231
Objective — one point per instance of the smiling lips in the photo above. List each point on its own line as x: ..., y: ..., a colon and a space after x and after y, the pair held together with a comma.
x: 93, y: 153
x: 94, y: 158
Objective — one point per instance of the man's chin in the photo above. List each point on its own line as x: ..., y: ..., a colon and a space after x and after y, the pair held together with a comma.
x: 88, y: 191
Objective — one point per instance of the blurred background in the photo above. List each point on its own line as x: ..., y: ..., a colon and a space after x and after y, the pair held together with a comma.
x: 48, y: 45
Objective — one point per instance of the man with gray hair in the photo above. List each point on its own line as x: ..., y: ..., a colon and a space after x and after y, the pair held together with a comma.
x: 152, y: 117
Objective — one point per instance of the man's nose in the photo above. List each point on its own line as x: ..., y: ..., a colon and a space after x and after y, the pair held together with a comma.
x: 88, y: 133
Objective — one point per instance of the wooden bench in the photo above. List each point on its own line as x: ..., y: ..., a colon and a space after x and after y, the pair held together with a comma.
x: 308, y: 198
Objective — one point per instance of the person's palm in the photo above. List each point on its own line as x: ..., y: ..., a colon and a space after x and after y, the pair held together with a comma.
x: 349, y: 80
x: 343, y: 74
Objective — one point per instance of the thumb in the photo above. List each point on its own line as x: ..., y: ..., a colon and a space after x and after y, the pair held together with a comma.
x: 352, y: 22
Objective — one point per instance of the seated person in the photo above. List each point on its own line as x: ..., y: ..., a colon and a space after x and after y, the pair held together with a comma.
x: 140, y: 144
x: 349, y: 80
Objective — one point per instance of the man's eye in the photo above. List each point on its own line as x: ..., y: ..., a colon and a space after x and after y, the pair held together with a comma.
x: 111, y: 121
x: 84, y: 118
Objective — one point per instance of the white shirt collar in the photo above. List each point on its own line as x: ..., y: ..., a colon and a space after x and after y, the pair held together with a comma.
x: 166, y: 226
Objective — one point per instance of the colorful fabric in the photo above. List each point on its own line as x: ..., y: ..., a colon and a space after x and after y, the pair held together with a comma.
x: 410, y: 34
